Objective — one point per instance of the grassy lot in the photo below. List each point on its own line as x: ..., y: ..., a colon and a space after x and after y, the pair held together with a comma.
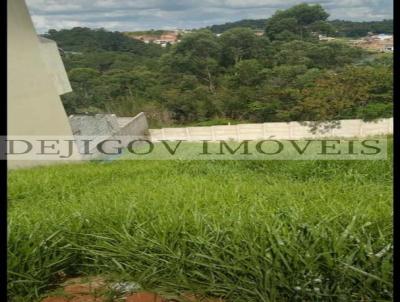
x: 244, y: 230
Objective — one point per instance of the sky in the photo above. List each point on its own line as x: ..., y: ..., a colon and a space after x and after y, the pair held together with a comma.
x: 131, y: 15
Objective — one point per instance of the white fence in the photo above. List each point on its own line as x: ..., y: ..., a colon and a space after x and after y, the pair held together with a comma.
x: 292, y: 130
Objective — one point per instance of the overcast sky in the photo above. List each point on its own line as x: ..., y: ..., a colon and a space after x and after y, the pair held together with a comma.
x: 130, y: 15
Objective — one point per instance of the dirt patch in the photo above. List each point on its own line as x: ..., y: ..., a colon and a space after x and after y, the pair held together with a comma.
x: 81, y: 289
x: 97, y: 289
x: 86, y: 284
x: 87, y: 298
x: 196, y: 298
x: 55, y: 299
x: 145, y: 297
x: 77, y: 289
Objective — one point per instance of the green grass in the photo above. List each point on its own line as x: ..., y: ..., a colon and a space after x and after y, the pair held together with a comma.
x: 245, y: 230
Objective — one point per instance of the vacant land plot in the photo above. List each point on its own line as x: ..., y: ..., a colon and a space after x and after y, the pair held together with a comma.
x: 241, y: 230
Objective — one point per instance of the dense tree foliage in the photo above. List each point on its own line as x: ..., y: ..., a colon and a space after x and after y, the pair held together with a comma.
x: 87, y: 40
x: 257, y: 24
x: 361, y: 29
x: 351, y: 29
x: 284, y: 75
x: 297, y: 22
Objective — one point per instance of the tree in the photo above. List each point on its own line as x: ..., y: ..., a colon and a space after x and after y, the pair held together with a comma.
x: 237, y: 75
x: 298, y: 20
x: 240, y: 43
x: 199, y: 54
x: 83, y: 39
x: 283, y: 29
x: 322, y: 27
x: 83, y: 79
x: 340, y: 28
x: 202, y: 44
x: 333, y: 55
x: 247, y: 73
x: 353, y: 92
x: 360, y: 29
x: 305, y: 14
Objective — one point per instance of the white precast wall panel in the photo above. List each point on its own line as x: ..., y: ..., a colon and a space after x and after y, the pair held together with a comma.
x: 276, y: 130
x: 292, y: 130
x: 348, y: 128
x: 199, y: 133
x: 250, y: 131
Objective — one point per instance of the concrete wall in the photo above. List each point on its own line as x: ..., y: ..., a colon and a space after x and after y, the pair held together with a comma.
x: 55, y: 66
x: 136, y: 126
x: 34, y: 105
x: 94, y: 125
x: 107, y: 127
x: 132, y: 128
x: 292, y: 130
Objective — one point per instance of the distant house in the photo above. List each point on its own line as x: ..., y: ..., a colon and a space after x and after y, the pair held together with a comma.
x: 383, y: 37
x: 381, y: 43
x: 387, y: 41
x: 258, y: 33
x: 325, y: 38
x: 145, y: 38
x: 73, y: 52
x: 170, y: 37
x: 388, y: 48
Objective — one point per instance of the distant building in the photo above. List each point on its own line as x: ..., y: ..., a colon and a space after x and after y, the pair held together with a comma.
x: 258, y: 33
x: 65, y: 52
x: 383, y: 37
x: 325, y: 38
x: 388, y: 48
x: 380, y: 43
x: 171, y: 37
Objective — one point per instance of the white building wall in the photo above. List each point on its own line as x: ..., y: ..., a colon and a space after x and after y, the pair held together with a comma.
x: 34, y: 105
x: 55, y: 66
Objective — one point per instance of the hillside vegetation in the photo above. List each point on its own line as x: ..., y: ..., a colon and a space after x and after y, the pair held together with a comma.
x: 342, y: 28
x: 86, y: 40
x: 287, y: 74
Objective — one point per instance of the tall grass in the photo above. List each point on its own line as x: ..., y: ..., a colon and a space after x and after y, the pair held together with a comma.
x: 244, y: 230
